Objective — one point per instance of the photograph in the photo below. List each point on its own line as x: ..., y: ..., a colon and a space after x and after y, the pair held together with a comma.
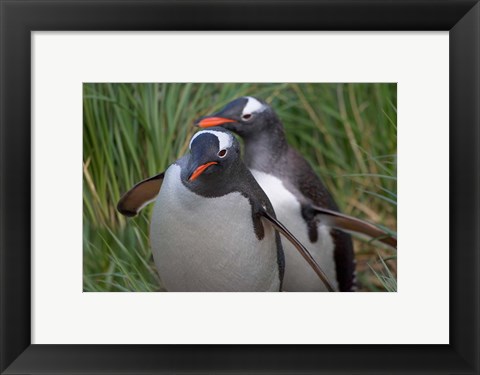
x: 239, y: 187
x: 159, y: 155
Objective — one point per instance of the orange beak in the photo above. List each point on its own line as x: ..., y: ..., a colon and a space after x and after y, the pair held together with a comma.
x: 200, y: 170
x: 213, y: 121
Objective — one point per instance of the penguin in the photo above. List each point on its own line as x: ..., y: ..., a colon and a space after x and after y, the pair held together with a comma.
x: 213, y: 228
x: 299, y: 197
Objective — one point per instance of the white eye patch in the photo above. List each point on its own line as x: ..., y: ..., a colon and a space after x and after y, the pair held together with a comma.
x: 224, y: 139
x: 253, y: 105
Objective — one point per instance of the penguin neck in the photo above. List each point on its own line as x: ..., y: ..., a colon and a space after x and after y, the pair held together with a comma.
x: 265, y: 148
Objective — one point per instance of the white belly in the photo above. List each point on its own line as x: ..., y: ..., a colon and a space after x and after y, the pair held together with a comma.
x: 208, y: 244
x: 299, y: 277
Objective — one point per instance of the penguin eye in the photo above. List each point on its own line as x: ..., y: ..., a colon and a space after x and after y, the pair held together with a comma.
x: 247, y: 116
x: 222, y: 153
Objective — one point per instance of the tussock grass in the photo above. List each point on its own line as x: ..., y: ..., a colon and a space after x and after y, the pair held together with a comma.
x: 133, y: 131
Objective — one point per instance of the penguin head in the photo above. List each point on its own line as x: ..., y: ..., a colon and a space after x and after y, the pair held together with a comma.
x: 213, y: 153
x: 245, y: 116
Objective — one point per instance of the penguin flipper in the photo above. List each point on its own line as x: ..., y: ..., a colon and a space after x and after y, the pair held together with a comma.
x: 140, y: 195
x: 348, y: 223
x: 301, y: 249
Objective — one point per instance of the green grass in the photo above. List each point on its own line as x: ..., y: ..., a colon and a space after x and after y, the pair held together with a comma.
x: 133, y: 131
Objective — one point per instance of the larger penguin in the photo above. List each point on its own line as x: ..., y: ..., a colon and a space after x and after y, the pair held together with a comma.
x: 213, y: 228
x: 300, y: 199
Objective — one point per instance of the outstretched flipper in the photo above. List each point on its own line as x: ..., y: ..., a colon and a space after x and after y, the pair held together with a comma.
x: 348, y: 223
x: 140, y: 195
x: 301, y: 249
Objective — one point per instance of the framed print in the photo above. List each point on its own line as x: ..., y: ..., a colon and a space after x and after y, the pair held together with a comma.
x: 64, y: 62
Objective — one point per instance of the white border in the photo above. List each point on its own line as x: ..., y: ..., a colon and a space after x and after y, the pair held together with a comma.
x: 418, y: 313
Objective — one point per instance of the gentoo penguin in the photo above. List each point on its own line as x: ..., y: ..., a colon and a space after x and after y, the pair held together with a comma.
x: 300, y: 199
x: 213, y: 228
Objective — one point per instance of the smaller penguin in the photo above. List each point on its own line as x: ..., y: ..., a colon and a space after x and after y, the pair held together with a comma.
x: 213, y: 228
x: 298, y: 195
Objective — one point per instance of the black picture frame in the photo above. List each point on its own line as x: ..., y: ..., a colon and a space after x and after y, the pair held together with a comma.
x: 18, y: 18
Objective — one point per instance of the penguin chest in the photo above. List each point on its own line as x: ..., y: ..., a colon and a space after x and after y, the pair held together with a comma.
x: 209, y: 244
x: 299, y: 277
